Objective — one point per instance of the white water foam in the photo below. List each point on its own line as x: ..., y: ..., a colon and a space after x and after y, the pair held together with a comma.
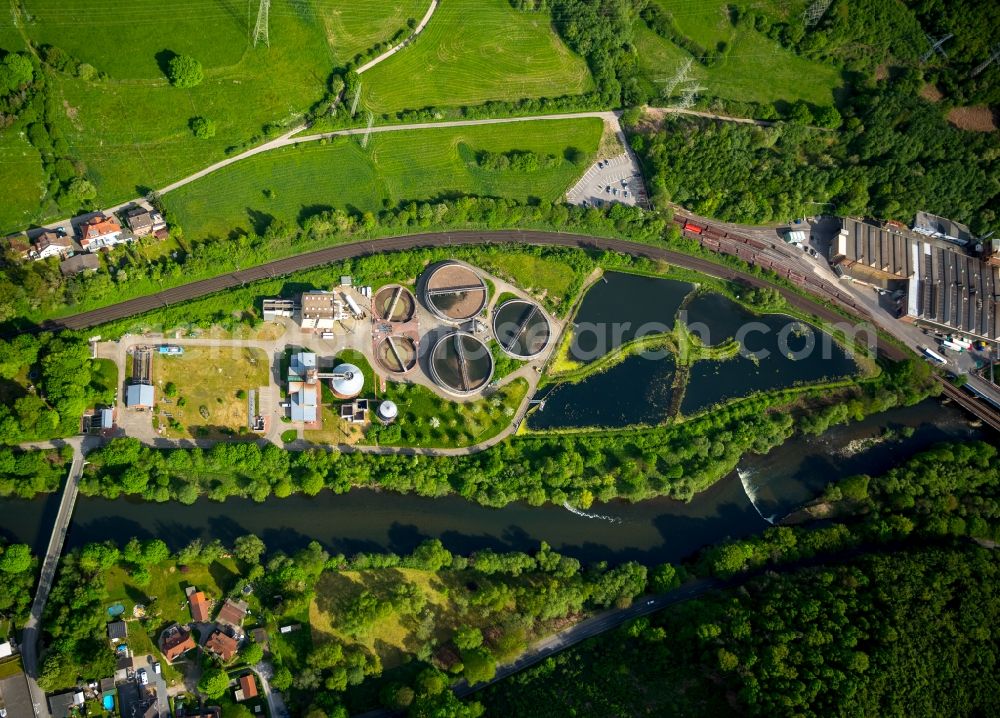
x: 750, y: 489
x: 584, y: 514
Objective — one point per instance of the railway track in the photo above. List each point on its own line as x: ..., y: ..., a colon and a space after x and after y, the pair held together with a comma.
x: 748, y: 249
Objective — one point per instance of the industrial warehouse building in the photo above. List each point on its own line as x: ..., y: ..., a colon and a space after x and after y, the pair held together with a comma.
x: 944, y: 286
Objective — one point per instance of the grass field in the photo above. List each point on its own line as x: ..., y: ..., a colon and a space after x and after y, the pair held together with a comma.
x: 353, y: 27
x: 22, y: 181
x: 419, y: 164
x: 131, y: 129
x: 104, y: 379
x: 428, y: 421
x: 207, y: 379
x: 756, y: 69
x: 472, y: 51
x: 546, y: 279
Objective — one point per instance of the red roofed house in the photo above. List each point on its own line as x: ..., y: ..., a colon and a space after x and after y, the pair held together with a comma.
x: 222, y: 645
x: 232, y: 614
x: 247, y: 689
x: 174, y: 642
x: 99, y: 232
x: 18, y: 245
x: 199, y: 606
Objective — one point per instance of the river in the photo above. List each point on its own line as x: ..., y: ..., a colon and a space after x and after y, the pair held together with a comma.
x: 650, y: 531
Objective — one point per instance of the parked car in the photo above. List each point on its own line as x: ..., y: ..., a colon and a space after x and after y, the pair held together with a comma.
x: 156, y: 667
x: 608, y: 188
x: 143, y: 677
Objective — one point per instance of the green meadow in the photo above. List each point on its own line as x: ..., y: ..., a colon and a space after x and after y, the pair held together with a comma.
x: 295, y: 182
x: 473, y: 51
x: 756, y: 69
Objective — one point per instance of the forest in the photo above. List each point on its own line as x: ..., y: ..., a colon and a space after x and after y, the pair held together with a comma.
x: 895, y: 156
x: 883, y: 611
x: 904, y: 632
x: 675, y: 460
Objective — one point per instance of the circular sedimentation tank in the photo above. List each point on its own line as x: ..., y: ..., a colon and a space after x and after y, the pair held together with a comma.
x: 454, y: 292
x: 396, y: 353
x: 348, y: 383
x: 461, y: 363
x: 394, y: 303
x: 388, y: 411
x: 521, y: 328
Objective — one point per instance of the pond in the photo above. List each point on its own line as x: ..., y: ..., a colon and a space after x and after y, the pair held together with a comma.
x: 639, y: 389
x: 621, y: 306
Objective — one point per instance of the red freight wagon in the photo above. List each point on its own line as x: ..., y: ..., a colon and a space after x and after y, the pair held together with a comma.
x: 693, y: 228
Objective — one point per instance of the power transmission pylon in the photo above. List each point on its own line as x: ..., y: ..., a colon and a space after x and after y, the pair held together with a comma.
x: 368, y: 132
x: 688, y: 96
x: 357, y: 96
x: 681, y: 76
x: 987, y: 62
x: 936, y: 47
x: 815, y: 12
x: 260, y: 29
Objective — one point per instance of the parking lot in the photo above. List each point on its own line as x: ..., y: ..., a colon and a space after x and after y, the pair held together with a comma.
x: 609, y: 181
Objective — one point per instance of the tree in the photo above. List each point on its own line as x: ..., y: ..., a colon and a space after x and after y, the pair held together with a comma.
x: 185, y: 71
x: 252, y: 653
x: 81, y: 190
x: 249, y: 548
x: 664, y: 578
x: 15, y: 70
x: 396, y: 696
x: 202, y: 128
x: 236, y: 710
x: 479, y: 665
x: 468, y: 637
x: 282, y: 679
x: 214, y: 683
x: 16, y: 558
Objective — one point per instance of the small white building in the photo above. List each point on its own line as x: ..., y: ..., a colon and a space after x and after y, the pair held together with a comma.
x: 50, y: 244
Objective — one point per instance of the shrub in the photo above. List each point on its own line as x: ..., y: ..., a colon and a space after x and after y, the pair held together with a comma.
x: 202, y: 128
x: 185, y: 71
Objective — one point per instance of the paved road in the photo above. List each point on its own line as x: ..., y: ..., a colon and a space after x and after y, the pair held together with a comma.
x: 32, y: 629
x: 393, y: 50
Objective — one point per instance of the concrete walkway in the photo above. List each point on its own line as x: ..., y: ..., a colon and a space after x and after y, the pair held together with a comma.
x: 393, y: 50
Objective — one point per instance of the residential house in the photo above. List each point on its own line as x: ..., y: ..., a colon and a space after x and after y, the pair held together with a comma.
x: 18, y: 245
x: 222, y: 645
x: 50, y: 244
x: 144, y: 222
x: 100, y: 232
x: 79, y: 263
x: 247, y: 688
x: 199, y: 606
x: 232, y: 614
x: 64, y: 705
x: 175, y: 641
x: 118, y: 630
